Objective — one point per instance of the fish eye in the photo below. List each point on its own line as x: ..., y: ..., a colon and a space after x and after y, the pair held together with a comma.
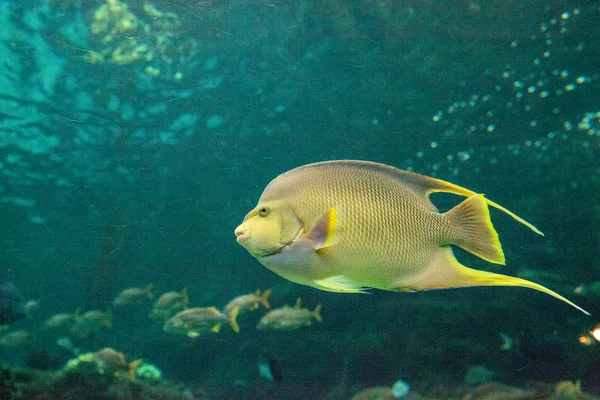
x: 263, y: 212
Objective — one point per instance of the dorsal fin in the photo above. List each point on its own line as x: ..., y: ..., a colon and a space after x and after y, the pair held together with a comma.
x: 423, y: 185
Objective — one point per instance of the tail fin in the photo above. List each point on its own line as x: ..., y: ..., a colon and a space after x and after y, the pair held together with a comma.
x: 446, y: 272
x: 185, y: 298
x: 132, y: 367
x: 148, y: 291
x: 264, y: 298
x: 233, y: 319
x: 474, y: 230
x: 317, y: 313
x: 107, y: 319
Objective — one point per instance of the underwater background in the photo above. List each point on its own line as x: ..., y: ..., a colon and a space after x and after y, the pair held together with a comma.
x: 135, y: 136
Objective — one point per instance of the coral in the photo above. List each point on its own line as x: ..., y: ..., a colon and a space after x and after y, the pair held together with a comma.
x: 498, y: 391
x: 374, y: 393
x: 400, y: 390
x: 72, y: 385
x: 148, y: 371
x: 154, y: 39
x: 567, y: 390
x: 82, y: 363
x: 478, y: 374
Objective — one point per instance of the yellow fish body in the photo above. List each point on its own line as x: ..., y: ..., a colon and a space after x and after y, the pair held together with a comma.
x: 345, y: 226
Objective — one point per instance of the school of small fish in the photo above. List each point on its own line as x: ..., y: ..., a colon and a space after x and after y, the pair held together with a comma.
x: 171, y: 309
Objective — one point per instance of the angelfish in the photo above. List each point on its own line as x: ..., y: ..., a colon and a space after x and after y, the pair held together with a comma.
x: 347, y: 226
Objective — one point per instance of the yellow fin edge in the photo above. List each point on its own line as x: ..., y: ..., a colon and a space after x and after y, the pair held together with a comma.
x: 438, y: 185
x: 446, y: 272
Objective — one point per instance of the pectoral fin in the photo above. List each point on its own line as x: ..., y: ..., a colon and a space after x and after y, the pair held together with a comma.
x: 323, y: 234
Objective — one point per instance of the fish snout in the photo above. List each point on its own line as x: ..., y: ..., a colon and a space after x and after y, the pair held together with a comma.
x: 240, y: 231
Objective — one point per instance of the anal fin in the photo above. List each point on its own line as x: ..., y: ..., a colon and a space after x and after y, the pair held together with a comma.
x: 446, y: 272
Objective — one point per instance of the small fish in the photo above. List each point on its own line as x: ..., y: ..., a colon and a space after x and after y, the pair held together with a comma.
x: 11, y: 303
x: 289, y: 318
x: 20, y: 338
x: 31, y: 307
x: 60, y: 321
x: 133, y: 295
x: 269, y: 368
x: 91, y: 322
x: 399, y: 391
x: 507, y: 342
x: 245, y: 303
x: 66, y: 343
x: 195, y: 321
x: 169, y: 304
x: 111, y: 361
x: 588, y: 290
x: 347, y: 226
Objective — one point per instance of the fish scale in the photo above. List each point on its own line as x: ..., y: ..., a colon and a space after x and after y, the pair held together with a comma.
x: 377, y: 215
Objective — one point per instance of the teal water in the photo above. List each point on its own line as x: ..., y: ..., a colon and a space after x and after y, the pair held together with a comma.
x: 134, y: 140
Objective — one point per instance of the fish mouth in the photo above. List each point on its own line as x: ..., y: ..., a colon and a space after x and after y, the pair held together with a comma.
x: 240, y: 234
x: 239, y: 231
